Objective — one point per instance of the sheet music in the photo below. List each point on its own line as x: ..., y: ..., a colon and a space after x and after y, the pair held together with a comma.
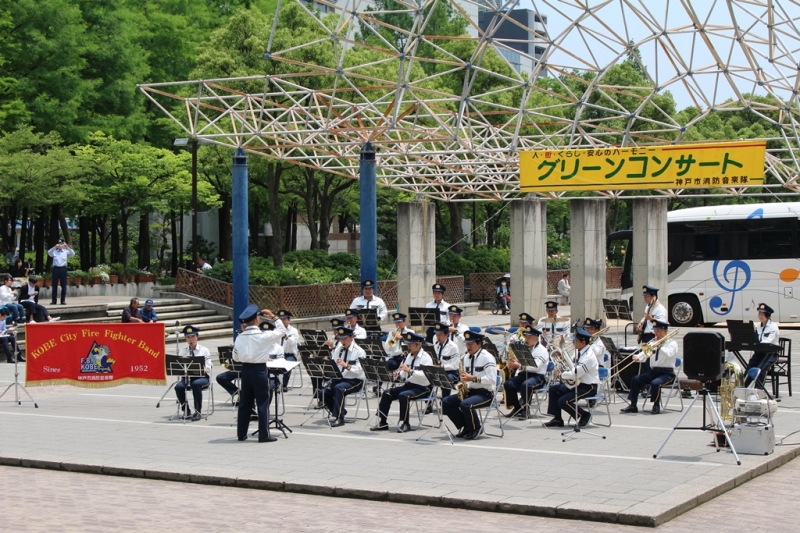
x: 283, y: 364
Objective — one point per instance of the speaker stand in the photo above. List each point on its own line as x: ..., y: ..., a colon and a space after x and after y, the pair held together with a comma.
x: 706, y: 426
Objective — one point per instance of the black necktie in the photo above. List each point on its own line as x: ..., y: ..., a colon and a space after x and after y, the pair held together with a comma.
x: 657, y: 350
x: 344, y: 356
x: 472, y: 366
x: 441, y: 347
x: 367, y: 304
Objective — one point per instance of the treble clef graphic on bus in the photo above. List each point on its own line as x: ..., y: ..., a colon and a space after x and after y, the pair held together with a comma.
x: 735, y: 277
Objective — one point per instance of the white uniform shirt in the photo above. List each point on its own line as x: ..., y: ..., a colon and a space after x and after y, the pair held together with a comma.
x: 659, y: 313
x: 600, y: 352
x: 292, y: 339
x: 768, y: 334
x: 585, y: 368
x: 444, y: 315
x: 376, y: 303
x: 664, y: 357
x: 252, y: 345
x: 563, y: 287
x: 482, y: 366
x: 397, y: 349
x: 352, y: 357
x: 448, y: 354
x: 541, y: 356
x: 459, y: 339
x: 275, y: 352
x: 417, y: 376
x: 358, y: 332
x: 554, y: 330
x: 199, y: 351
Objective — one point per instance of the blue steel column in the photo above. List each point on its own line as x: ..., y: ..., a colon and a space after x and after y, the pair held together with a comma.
x: 241, y: 279
x: 369, y: 213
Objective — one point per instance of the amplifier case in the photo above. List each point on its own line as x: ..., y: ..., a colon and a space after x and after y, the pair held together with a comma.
x: 753, y: 439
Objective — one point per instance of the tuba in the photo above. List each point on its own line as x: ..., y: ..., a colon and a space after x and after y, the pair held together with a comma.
x: 562, y: 361
x: 461, y: 387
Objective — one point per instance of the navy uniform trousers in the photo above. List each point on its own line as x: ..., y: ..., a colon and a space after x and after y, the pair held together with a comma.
x: 655, y: 377
x: 254, y: 387
x: 522, y: 383
x: 403, y: 394
x: 463, y: 414
x: 563, y: 398
x: 454, y: 378
x: 762, y: 361
x: 197, y: 385
x: 334, y: 394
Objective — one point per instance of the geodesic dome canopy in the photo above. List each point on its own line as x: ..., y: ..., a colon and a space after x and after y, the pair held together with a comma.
x: 450, y: 91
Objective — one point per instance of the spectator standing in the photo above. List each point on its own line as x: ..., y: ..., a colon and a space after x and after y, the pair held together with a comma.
x: 60, y: 253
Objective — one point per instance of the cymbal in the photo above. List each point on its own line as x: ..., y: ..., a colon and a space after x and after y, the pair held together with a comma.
x: 556, y: 319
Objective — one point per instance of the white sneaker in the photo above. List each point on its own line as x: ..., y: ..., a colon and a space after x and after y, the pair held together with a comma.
x: 56, y: 319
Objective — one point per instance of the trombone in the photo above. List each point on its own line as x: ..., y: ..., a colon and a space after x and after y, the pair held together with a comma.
x: 647, y: 349
x: 597, y: 335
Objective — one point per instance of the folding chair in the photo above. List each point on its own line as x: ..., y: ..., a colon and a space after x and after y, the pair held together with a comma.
x: 540, y: 392
x: 361, y: 394
x: 601, y: 398
x: 493, y: 405
x: 673, y: 387
x: 430, y: 399
x: 782, y: 368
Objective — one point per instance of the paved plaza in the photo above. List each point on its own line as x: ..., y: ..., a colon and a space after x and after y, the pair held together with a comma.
x: 528, y: 471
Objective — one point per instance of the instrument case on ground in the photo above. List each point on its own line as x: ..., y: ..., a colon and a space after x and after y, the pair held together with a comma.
x: 753, y: 439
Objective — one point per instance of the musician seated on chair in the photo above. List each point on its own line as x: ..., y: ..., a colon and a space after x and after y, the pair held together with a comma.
x: 479, y: 375
x: 600, y: 352
x: 653, y: 310
x: 332, y: 343
x: 351, y: 321
x: 456, y: 328
x: 563, y: 397
x: 448, y: 354
x: 527, y: 379
x: 518, y: 337
x: 193, y: 349
x: 347, y: 356
x: 290, y: 341
x: 768, y: 333
x: 551, y: 327
x: 661, y: 371
x: 416, y: 384
x: 392, y: 344
x: 368, y: 300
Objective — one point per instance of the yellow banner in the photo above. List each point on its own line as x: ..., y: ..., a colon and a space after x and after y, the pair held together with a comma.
x: 674, y: 166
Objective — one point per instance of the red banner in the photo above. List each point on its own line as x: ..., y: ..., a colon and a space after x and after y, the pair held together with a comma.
x: 95, y: 355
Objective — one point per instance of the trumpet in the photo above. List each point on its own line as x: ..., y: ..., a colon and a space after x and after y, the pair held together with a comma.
x: 393, y: 339
x: 647, y: 349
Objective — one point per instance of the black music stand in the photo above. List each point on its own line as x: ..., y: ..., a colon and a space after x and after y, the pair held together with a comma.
x: 490, y: 347
x: 437, y: 377
x: 325, y: 368
x: 423, y: 317
x: 373, y: 348
x: 313, y: 336
x: 312, y: 350
x: 375, y: 370
x: 185, y: 368
x: 368, y: 319
x: 524, y: 357
x: 279, y: 371
x: 744, y: 337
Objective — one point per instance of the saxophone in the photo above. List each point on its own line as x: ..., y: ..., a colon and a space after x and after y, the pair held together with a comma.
x: 731, y: 378
x: 461, y: 387
x: 506, y: 374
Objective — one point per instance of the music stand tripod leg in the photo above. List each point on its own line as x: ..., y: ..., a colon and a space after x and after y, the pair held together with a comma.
x: 17, y: 385
x: 577, y: 427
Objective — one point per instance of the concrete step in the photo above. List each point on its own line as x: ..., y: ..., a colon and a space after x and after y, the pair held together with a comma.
x: 157, y: 303
x: 198, y: 316
x: 159, y: 310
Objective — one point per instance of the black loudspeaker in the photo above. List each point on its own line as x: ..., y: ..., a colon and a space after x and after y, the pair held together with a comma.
x: 704, y: 355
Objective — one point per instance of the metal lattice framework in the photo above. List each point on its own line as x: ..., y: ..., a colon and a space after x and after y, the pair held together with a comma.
x: 448, y: 115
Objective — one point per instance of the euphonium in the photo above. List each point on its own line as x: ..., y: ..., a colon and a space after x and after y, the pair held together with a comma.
x: 731, y: 378
x: 461, y: 387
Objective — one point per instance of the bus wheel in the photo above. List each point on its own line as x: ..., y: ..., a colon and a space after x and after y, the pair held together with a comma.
x: 684, y: 310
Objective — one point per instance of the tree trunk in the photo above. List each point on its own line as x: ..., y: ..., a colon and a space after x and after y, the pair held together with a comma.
x: 474, y: 224
x: 62, y: 221
x: 311, y: 196
x: 490, y: 211
x: 174, y: 236
x: 115, y: 255
x: 53, y: 233
x: 456, y: 210
x: 125, y: 243
x: 38, y: 240
x: 274, y: 172
x: 287, y: 241
x: 95, y: 238
x: 225, y: 231
x: 252, y: 220
x: 84, y: 230
x: 23, y: 235
x: 144, y: 241
x: 104, y: 237
x: 180, y: 241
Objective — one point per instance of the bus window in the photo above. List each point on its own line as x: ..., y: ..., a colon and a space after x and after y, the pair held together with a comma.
x: 764, y: 238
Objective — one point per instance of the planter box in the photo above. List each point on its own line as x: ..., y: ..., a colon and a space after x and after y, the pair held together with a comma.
x: 113, y: 278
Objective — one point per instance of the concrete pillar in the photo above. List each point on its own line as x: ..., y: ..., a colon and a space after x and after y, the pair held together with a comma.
x: 416, y: 253
x: 241, y: 255
x: 528, y: 257
x: 588, y: 258
x: 649, y: 261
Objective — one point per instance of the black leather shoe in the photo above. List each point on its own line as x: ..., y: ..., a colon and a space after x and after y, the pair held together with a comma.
x: 269, y: 438
x: 10, y: 360
x: 338, y: 422
x: 21, y: 358
x: 461, y: 433
x: 514, y: 412
x: 656, y: 408
x: 196, y: 417
x: 583, y: 420
x: 630, y: 409
x: 242, y: 438
x: 472, y: 434
x: 429, y: 410
x: 380, y: 427
x: 404, y: 428
x: 285, y: 388
x: 554, y: 423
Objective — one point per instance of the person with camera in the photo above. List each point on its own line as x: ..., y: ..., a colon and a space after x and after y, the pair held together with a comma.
x: 60, y: 253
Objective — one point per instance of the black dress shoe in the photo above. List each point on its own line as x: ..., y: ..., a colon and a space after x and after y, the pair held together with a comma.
x: 472, y: 434
x: 268, y: 438
x: 514, y: 412
x: 380, y: 427
x: 583, y: 420
x: 554, y: 423
x: 338, y: 422
x: 10, y: 360
x: 404, y: 428
x: 429, y: 410
x: 21, y: 358
x: 630, y: 409
x: 656, y: 408
x: 196, y: 417
x: 242, y: 438
x: 461, y: 433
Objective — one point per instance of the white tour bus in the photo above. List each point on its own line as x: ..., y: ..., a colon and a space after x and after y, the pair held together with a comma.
x: 724, y: 260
